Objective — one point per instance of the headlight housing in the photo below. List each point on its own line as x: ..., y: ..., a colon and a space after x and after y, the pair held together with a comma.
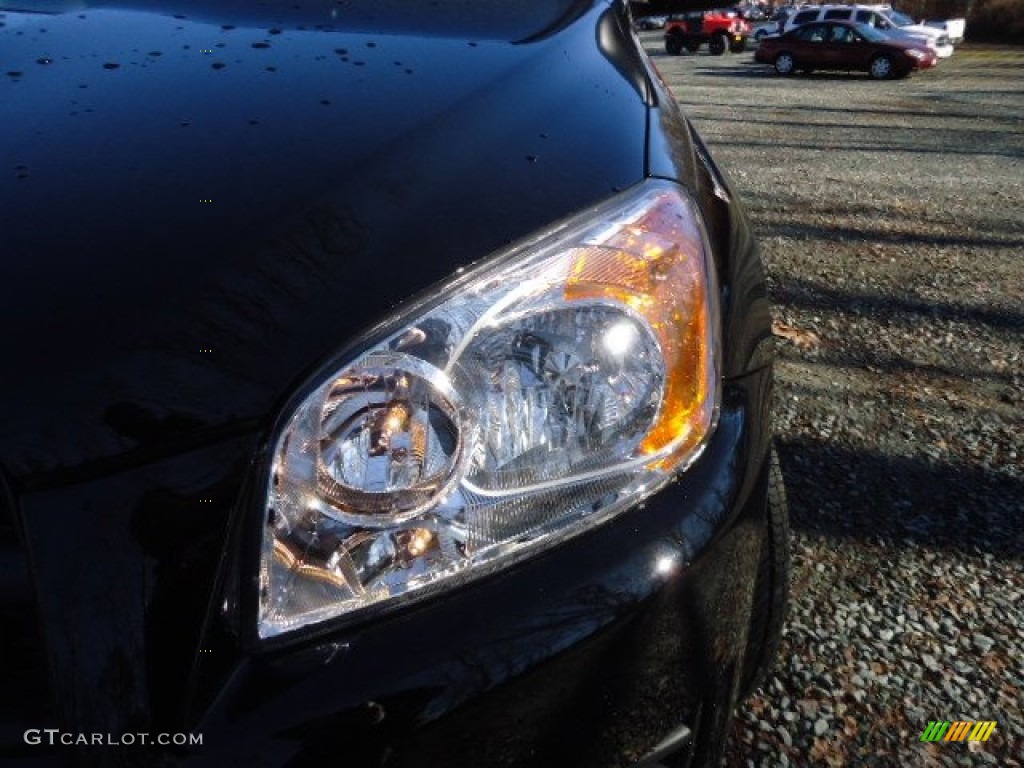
x: 549, y: 388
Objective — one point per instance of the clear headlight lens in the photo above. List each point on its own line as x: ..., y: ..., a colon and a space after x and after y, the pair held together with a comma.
x: 917, y: 54
x: 552, y: 387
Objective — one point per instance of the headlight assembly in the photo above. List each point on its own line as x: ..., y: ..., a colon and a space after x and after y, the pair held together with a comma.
x: 546, y: 390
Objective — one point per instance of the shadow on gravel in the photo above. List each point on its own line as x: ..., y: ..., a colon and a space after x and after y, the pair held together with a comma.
x: 876, y: 362
x: 845, y: 494
x: 957, y: 141
x: 765, y: 70
x: 902, y: 113
x: 798, y: 292
x: 852, y: 112
x: 873, y: 148
x: 747, y: 70
x: 864, y: 235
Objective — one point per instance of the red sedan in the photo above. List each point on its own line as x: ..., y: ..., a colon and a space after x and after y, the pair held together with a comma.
x: 846, y: 46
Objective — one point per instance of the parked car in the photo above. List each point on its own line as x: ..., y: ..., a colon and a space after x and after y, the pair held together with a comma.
x: 773, y: 25
x: 842, y: 45
x: 762, y: 29
x: 881, y: 17
x: 901, y: 23
x: 363, y: 403
x: 954, y: 28
x: 721, y: 30
x: 650, y: 22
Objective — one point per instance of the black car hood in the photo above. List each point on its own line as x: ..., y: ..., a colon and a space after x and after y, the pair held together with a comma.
x: 510, y: 20
x: 199, y: 205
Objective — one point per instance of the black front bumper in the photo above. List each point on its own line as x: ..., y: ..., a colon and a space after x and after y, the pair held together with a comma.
x: 590, y: 654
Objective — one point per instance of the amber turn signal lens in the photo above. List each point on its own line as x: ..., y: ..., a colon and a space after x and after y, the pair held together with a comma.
x: 657, y: 267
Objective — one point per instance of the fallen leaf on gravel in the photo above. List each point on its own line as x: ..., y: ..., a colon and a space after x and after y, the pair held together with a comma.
x: 992, y: 663
x: 823, y: 750
x: 803, y: 339
x: 809, y: 706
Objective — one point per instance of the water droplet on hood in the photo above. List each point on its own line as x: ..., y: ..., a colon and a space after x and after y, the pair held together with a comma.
x: 44, y: 60
x: 111, y: 65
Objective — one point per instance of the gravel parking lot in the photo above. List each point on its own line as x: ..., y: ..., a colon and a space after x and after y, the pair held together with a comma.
x: 891, y: 220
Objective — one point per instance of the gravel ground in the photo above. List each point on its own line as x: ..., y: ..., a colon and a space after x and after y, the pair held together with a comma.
x: 891, y: 220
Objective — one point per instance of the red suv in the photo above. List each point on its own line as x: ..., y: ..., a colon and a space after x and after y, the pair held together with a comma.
x: 719, y: 29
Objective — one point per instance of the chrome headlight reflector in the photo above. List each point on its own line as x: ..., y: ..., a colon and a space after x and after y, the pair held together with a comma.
x: 551, y: 387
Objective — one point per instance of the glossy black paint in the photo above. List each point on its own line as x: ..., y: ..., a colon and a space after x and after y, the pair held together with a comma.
x: 148, y: 312
x: 151, y: 337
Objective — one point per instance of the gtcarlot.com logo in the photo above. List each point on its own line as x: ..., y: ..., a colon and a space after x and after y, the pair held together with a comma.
x: 52, y: 737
